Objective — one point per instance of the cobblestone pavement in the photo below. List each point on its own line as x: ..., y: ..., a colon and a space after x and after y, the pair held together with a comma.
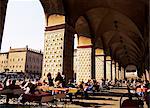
x: 106, y: 99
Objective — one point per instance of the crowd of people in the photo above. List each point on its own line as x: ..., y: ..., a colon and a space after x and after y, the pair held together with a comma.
x: 142, y: 88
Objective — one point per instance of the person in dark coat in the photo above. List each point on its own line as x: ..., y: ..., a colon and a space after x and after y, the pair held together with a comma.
x: 50, y: 80
x: 59, y: 78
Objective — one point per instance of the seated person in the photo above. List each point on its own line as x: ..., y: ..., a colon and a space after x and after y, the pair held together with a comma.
x: 12, y: 87
x: 23, y: 85
x: 32, y: 88
x: 58, y: 84
x: 70, y: 84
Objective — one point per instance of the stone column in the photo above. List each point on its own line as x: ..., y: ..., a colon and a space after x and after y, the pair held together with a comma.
x: 75, y: 65
x: 122, y: 73
x: 93, y: 60
x: 113, y: 70
x: 68, y: 52
x: 108, y: 67
x: 148, y: 75
x: 105, y: 67
x: 117, y: 70
x: 99, y: 62
x: 53, y: 46
x: 58, y: 47
x: 84, y: 52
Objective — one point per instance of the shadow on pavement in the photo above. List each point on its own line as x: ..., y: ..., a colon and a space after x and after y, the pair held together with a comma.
x: 97, y: 98
x: 88, y: 104
x: 18, y: 106
x: 114, y: 94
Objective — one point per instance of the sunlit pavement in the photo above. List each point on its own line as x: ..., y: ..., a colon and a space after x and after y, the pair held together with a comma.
x: 105, y: 99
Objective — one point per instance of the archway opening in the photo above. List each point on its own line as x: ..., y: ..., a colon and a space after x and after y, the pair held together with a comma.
x: 24, y: 25
x: 23, y: 37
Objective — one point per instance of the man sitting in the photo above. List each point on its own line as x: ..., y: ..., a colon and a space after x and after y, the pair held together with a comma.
x: 11, y: 87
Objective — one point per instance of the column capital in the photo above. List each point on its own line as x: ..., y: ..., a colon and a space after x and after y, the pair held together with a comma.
x: 55, y: 27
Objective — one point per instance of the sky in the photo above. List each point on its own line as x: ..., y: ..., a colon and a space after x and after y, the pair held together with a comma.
x: 24, y: 25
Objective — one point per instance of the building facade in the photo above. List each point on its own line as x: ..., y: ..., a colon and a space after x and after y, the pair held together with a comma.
x: 4, y: 61
x: 23, y: 60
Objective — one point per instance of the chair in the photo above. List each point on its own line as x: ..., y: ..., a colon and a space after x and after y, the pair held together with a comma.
x: 18, y: 91
x: 131, y: 101
x: 17, y: 94
x: 71, y: 93
x: 61, y: 97
x: 47, y: 99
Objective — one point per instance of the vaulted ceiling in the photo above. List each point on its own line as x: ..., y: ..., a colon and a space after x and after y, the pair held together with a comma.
x: 117, y: 26
x: 120, y: 27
